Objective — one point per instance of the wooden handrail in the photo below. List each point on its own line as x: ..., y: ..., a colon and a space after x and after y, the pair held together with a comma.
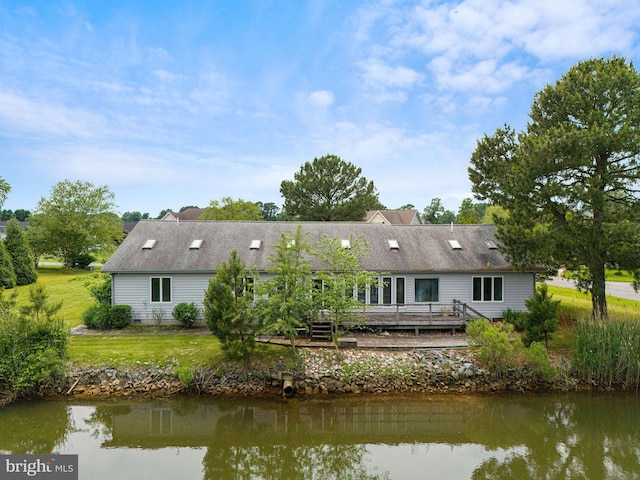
x: 465, y: 307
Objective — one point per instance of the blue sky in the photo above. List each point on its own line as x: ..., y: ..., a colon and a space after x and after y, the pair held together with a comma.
x: 180, y: 103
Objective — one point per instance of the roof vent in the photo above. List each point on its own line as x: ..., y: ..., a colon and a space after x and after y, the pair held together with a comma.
x: 149, y: 244
x: 346, y: 243
x: 195, y: 245
x: 455, y: 245
x: 255, y: 245
x: 393, y: 244
x: 490, y: 244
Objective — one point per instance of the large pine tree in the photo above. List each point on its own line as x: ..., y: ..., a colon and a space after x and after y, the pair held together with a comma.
x: 570, y: 183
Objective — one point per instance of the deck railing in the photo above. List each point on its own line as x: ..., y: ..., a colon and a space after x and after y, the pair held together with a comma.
x: 431, y: 310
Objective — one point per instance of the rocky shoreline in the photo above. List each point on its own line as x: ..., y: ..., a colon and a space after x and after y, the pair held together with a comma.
x: 319, y: 372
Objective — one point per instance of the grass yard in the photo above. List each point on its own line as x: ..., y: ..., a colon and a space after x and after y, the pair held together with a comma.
x: 618, y: 276
x: 155, y: 349
x: 123, y: 350
x: 63, y: 284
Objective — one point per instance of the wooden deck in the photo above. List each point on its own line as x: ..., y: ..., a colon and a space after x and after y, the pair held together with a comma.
x: 411, y: 321
x: 416, y: 318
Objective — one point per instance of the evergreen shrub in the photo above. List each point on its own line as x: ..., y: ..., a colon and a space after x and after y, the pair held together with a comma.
x: 186, y: 313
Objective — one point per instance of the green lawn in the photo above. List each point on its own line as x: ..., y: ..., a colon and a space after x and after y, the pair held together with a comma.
x: 618, y: 276
x: 576, y: 305
x: 120, y: 350
x: 155, y: 349
x: 63, y: 284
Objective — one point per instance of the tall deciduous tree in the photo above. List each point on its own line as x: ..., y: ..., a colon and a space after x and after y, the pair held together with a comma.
x: 230, y: 209
x: 329, y: 189
x: 436, y: 213
x: 269, y: 211
x: 75, y: 223
x: 470, y: 212
x: 286, y: 299
x: 342, y: 277
x: 20, y: 253
x: 571, y: 182
x: 134, y: 216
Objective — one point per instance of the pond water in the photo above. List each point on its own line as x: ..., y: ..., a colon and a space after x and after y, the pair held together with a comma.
x: 515, y: 436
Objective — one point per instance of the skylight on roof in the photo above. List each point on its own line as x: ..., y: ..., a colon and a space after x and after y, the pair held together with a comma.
x: 195, y: 245
x: 346, y: 243
x: 490, y: 244
x: 255, y: 245
x: 393, y: 244
x: 455, y: 245
x: 149, y: 244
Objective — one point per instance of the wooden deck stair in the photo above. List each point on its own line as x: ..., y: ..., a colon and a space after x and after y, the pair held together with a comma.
x: 321, y: 331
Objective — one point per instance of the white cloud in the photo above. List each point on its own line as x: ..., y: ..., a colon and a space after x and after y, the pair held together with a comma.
x: 321, y: 98
x: 470, y: 44
x: 377, y: 73
x: 169, y: 77
x: 112, y: 166
x: 486, y: 75
x: 36, y: 117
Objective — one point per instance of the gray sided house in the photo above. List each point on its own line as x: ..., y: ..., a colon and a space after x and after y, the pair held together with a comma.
x: 423, y: 269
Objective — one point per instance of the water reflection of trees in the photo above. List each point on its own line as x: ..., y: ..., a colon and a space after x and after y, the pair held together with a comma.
x: 592, y: 437
x: 544, y: 437
x: 281, y: 456
x: 34, y: 427
x: 287, y: 461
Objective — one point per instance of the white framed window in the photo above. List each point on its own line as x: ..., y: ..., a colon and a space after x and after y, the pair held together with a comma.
x: 487, y: 289
x: 160, y: 289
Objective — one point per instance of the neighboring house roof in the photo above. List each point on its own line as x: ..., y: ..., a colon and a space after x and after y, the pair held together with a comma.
x: 171, y: 246
x: 187, y: 214
x: 129, y: 225
x: 393, y: 217
x: 3, y: 227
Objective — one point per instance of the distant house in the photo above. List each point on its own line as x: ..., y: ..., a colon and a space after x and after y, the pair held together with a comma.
x: 3, y: 228
x: 393, y: 217
x: 187, y: 214
x: 422, y: 270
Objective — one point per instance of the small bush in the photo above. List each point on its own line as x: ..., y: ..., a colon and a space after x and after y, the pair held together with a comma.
x: 516, y: 318
x: 81, y: 261
x: 100, y: 288
x: 97, y: 317
x: 185, y: 375
x: 120, y: 316
x: 103, y: 317
x: 537, y: 358
x: 33, y: 347
x: 497, y: 347
x: 186, y: 313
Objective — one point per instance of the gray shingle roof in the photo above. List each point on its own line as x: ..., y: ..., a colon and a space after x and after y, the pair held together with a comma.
x: 421, y: 247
